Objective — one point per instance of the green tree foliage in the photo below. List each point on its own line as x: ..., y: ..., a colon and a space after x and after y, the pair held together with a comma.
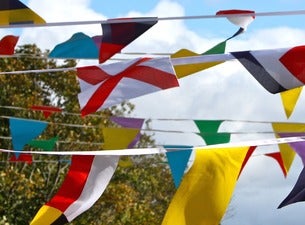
x: 137, y: 194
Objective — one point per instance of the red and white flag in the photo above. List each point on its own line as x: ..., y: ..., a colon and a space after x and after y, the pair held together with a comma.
x: 103, y: 86
x: 85, y: 182
x: 238, y: 17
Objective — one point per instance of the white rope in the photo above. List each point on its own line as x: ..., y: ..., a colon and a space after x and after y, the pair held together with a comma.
x: 73, y: 23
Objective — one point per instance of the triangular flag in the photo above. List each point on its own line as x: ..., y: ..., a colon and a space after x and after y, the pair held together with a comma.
x: 27, y: 158
x: 15, y: 12
x: 298, y: 147
x: 85, y: 182
x: 185, y: 70
x: 235, y: 16
x: 276, y: 70
x: 289, y: 99
x: 206, y: 189
x: 117, y: 34
x: 7, y: 44
x: 118, y: 138
x: 278, y: 157
x: 297, y: 194
x: 217, y: 138
x: 130, y: 123
x: 287, y: 152
x: 136, y: 123
x: 103, y: 86
x: 208, y: 126
x: 247, y: 157
x: 46, y: 110
x: 188, y: 69
x: 178, y: 158
x: 79, y: 46
x: 209, y: 132
x: 24, y: 130
x: 47, y: 145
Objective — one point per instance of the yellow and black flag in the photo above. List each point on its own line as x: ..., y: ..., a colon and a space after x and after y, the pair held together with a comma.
x: 15, y: 12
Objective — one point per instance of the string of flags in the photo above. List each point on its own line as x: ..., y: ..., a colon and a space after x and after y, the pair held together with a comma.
x: 198, y: 186
x: 105, y: 46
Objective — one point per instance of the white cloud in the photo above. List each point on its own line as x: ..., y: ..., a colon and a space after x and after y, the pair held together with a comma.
x: 60, y: 11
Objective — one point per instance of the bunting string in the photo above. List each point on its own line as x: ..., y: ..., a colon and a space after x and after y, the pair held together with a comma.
x: 162, y: 150
x: 198, y: 59
x: 182, y: 131
x: 73, y: 23
x: 153, y: 119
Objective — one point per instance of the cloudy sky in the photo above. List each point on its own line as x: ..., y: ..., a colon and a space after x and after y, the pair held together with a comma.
x: 227, y: 91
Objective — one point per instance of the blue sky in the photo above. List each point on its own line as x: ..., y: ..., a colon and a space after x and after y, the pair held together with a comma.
x: 209, y: 7
x: 223, y: 92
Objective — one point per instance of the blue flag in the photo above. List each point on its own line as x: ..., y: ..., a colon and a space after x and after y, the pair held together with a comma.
x: 178, y: 160
x: 23, y: 131
x: 79, y: 46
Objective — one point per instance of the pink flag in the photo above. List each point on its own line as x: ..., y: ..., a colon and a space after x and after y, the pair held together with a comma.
x: 103, y: 86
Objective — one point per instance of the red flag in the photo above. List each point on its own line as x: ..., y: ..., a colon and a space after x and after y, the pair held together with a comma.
x: 107, y: 85
x: 27, y: 158
x: 46, y: 110
x: 247, y: 157
x: 7, y: 44
x: 278, y: 157
x: 117, y: 35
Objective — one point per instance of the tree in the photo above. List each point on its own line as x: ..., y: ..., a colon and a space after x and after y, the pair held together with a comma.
x: 138, y: 194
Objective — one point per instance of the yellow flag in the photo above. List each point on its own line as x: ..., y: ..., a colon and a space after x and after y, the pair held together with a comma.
x: 290, y: 99
x: 15, y: 12
x: 286, y: 151
x: 185, y: 70
x: 46, y: 215
x: 118, y: 138
x: 205, y: 191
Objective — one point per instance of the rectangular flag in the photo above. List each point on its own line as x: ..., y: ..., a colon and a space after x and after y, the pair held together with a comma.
x: 103, y: 86
x: 85, y: 182
x: 206, y: 189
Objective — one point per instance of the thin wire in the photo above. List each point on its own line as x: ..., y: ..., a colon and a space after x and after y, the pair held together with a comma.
x: 162, y: 149
x: 155, y: 119
x: 127, y: 20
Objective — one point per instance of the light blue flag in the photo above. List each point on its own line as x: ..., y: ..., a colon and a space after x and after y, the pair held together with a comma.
x: 79, y: 46
x: 23, y: 131
x: 178, y: 157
